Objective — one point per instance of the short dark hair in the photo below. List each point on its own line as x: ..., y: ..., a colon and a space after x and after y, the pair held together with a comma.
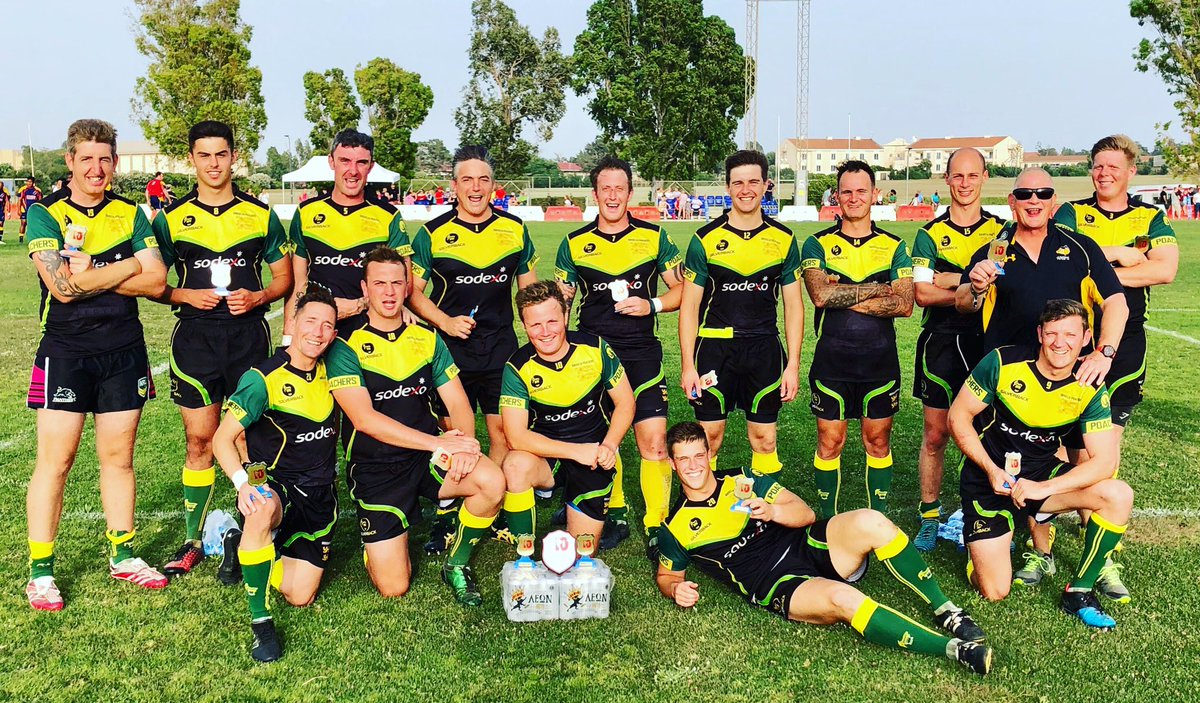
x: 382, y: 255
x: 611, y: 163
x: 470, y: 152
x: 1062, y: 308
x: 157, y: 173
x: 210, y: 128
x: 352, y: 138
x: 854, y: 166
x: 537, y: 293
x: 746, y: 157
x: 315, y: 293
x: 683, y: 432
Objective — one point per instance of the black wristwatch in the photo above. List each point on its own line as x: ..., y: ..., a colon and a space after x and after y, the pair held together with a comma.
x: 1108, y: 351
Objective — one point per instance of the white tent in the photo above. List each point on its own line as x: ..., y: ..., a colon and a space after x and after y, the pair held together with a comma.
x: 317, y: 171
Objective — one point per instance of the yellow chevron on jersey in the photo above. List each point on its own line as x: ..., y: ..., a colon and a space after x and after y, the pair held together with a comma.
x: 857, y: 260
x: 292, y: 394
x: 746, y: 253
x: 953, y: 244
x: 597, y: 251
x: 1038, y: 402
x: 106, y: 225
x: 396, y: 355
x: 565, y: 382
x: 343, y: 227
x: 218, y: 228
x: 1120, y: 229
x: 478, y: 248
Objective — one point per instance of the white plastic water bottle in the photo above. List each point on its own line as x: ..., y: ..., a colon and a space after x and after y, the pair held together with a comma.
x: 585, y: 590
x: 530, y: 591
x: 215, y: 527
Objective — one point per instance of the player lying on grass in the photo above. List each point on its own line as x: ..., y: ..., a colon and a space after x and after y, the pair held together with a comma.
x: 768, y: 545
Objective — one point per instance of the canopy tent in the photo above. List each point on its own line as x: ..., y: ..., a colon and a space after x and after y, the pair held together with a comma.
x: 317, y: 171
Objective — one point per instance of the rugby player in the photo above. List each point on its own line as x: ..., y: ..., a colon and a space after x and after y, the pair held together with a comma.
x: 779, y: 556
x: 735, y: 269
x: 331, y: 235
x: 950, y: 343
x: 384, y: 374
x: 217, y: 337
x: 26, y: 197
x: 1141, y: 245
x: 566, y: 404
x: 859, y: 277
x: 1024, y: 400
x: 92, y: 356
x: 614, y: 263
x: 4, y: 197
x: 283, y: 409
x: 472, y: 255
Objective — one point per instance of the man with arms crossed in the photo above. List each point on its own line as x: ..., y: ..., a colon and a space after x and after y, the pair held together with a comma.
x: 95, y: 254
x: 383, y: 374
x: 950, y: 343
x: 1022, y: 401
x: 555, y: 404
x: 856, y: 370
x: 220, y: 332
x: 771, y: 548
x: 614, y: 264
x: 283, y: 411
x: 735, y: 269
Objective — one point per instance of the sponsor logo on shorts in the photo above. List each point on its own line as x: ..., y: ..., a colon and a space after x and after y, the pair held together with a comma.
x: 143, y: 386
x: 364, y: 527
x: 980, y: 527
x: 63, y: 395
x: 315, y: 435
x: 483, y: 278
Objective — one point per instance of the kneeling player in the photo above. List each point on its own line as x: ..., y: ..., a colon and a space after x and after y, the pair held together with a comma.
x: 779, y: 556
x: 1023, y: 400
x: 383, y: 374
x: 555, y: 403
x: 284, y: 408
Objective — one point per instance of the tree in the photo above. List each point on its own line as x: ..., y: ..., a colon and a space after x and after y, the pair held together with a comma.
x: 516, y: 81
x: 666, y: 83
x: 591, y: 154
x: 432, y: 156
x: 329, y: 104
x: 278, y: 163
x: 397, y: 103
x: 200, y: 69
x: 1174, y: 53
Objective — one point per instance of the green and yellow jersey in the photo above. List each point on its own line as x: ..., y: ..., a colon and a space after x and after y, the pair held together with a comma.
x: 402, y: 370
x: 591, y: 260
x: 334, y: 239
x: 472, y: 270
x: 115, y: 229
x: 944, y: 247
x: 1029, y: 413
x: 566, y: 399
x: 728, y: 545
x: 289, y: 419
x: 1121, y: 229
x: 853, y: 346
x: 243, y: 233
x: 741, y: 273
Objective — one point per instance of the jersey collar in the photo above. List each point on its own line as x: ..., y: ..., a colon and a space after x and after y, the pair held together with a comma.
x: 965, y: 231
x: 1050, y: 384
x: 560, y: 364
x: 216, y: 210
x: 389, y: 336
x: 347, y: 209
x: 89, y: 210
x: 476, y: 226
x: 1094, y: 203
x: 611, y: 236
x: 711, y: 500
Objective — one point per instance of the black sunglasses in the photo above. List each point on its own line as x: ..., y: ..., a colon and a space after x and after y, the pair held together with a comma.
x: 1027, y: 193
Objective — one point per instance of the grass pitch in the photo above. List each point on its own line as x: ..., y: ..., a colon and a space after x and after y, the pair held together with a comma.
x: 190, y: 641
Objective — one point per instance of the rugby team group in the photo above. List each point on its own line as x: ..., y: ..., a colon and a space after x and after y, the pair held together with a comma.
x: 1031, y: 356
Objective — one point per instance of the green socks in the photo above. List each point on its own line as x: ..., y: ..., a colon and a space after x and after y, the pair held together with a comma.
x: 197, y: 495
x: 519, y: 508
x: 120, y: 545
x: 931, y: 511
x: 1099, y: 541
x: 41, y: 559
x: 879, y: 481
x: 828, y: 475
x: 256, y: 577
x: 906, y: 564
x: 882, y: 625
x: 471, y: 529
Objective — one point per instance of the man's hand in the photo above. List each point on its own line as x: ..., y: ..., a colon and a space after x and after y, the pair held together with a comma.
x: 760, y: 509
x: 348, y: 307
x: 461, y: 465
x: 79, y: 261
x: 983, y: 275
x: 407, y: 317
x: 200, y: 298
x: 1029, y: 490
x: 587, y: 454
x: 606, y: 457
x: 1094, y: 368
x: 455, y: 442
x: 1127, y: 256
x: 460, y: 326
x: 687, y: 594
x: 242, y: 301
x: 947, y: 281
x: 250, y: 500
x: 634, y: 307
x: 690, y: 382
x: 998, y: 478
x: 790, y: 384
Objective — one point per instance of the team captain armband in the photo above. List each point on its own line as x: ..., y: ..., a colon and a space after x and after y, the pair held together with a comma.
x: 810, y: 264
x: 921, y: 274
x: 344, y: 382
x: 44, y: 244
x: 977, y: 389
x: 507, y: 401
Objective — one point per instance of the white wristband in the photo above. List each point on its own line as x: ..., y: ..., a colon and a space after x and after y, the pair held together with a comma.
x: 657, y: 303
x: 922, y: 274
x: 240, y: 479
x: 285, y: 340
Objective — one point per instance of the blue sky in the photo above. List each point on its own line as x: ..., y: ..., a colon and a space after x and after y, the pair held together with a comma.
x: 1057, y: 72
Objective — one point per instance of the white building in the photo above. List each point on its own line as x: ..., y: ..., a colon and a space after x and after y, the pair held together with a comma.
x: 1001, y: 151
x: 824, y: 155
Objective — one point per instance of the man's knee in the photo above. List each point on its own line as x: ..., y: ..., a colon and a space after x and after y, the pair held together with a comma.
x: 519, y: 467
x: 491, y: 482
x: 845, y: 600
x: 871, y: 525
x: 198, y: 446
x: 762, y: 439
x: 1115, y: 494
x: 936, y: 437
x: 830, y: 444
x: 994, y: 589
x: 391, y: 585
x: 299, y: 599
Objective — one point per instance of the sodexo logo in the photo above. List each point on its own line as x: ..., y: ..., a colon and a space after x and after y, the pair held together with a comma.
x: 337, y: 260
x: 236, y: 261
x: 483, y: 279
x: 570, y: 414
x: 315, y: 435
x: 632, y: 285
x: 748, y: 286
x: 403, y: 391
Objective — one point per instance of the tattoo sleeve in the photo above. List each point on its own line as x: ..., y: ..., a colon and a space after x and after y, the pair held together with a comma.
x: 60, y: 277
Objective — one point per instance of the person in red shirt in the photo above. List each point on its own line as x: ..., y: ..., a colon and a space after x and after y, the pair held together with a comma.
x: 440, y: 196
x: 155, y: 195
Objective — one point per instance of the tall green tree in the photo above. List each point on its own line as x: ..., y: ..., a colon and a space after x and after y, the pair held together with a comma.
x: 200, y: 69
x: 1173, y: 52
x: 432, y: 155
x: 397, y: 103
x: 517, y: 81
x: 329, y: 104
x: 592, y: 152
x: 665, y: 83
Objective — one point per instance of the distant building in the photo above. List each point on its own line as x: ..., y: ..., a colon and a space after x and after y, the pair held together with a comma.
x: 568, y: 168
x: 1000, y: 151
x: 141, y: 156
x: 13, y: 157
x: 1032, y: 158
x: 824, y: 155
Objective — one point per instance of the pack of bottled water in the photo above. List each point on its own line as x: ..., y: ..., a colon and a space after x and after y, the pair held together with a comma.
x: 532, y: 591
x: 215, y: 527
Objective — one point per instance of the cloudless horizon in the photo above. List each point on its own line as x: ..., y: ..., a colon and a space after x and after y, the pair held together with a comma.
x: 1059, y: 75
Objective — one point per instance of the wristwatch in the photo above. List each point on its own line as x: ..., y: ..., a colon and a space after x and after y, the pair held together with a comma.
x: 1108, y: 351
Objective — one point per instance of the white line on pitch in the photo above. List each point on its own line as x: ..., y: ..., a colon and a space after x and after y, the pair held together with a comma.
x: 1176, y: 310
x: 97, y: 516
x: 1166, y: 513
x: 1176, y: 335
x: 157, y: 370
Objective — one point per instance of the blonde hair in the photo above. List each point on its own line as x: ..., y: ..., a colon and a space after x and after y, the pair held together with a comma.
x: 98, y: 131
x: 1117, y: 142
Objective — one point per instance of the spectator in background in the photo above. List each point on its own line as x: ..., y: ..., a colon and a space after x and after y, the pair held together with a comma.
x: 936, y: 200
x: 697, y: 206
x: 917, y: 199
x: 501, y: 199
x: 439, y: 196
x: 567, y: 201
x: 827, y: 197
x: 891, y: 198
x: 660, y: 202
x: 769, y: 197
x: 1162, y: 197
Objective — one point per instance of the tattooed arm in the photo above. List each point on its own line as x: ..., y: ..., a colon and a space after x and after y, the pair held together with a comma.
x: 67, y: 287
x: 898, y: 304
x: 825, y: 293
